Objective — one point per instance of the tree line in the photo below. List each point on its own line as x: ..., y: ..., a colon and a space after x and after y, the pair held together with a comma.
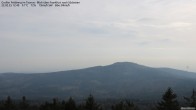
x: 168, y: 102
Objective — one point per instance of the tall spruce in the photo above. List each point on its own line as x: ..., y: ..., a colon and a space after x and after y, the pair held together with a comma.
x: 191, y: 101
x: 55, y: 105
x: 24, y: 104
x: 124, y: 105
x: 70, y: 104
x: 91, y: 104
x: 169, y: 101
x: 8, y: 105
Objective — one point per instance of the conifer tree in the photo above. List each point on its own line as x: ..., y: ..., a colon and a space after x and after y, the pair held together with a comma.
x: 124, y: 105
x: 91, y: 104
x: 24, y: 104
x: 169, y: 101
x: 8, y: 105
x: 45, y: 106
x: 70, y: 104
x: 192, y: 100
x: 55, y: 105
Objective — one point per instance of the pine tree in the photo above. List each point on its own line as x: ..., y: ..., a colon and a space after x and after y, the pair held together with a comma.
x: 124, y: 105
x: 24, y: 104
x: 8, y: 105
x: 169, y: 101
x: 1, y: 105
x: 70, y: 104
x: 91, y: 104
x: 55, y: 105
x: 192, y: 100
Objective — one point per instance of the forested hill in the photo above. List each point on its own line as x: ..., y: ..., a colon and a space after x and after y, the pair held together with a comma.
x: 119, y: 80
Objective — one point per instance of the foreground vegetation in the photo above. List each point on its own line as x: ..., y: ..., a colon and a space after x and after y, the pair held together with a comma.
x: 169, y: 102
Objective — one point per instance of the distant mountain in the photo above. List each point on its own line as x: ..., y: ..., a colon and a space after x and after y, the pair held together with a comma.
x: 119, y: 80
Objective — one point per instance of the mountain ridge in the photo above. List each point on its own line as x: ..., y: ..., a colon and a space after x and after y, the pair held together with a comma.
x: 116, y: 63
x: 118, y: 80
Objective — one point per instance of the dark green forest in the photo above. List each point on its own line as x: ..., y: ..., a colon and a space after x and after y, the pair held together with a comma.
x: 168, y: 101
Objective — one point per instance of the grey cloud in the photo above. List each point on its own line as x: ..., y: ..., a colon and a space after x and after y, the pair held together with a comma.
x: 104, y: 31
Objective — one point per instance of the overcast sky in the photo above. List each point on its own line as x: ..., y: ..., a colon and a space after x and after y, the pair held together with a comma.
x: 156, y: 33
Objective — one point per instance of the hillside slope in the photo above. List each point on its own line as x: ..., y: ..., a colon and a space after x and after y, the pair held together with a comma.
x: 119, y: 80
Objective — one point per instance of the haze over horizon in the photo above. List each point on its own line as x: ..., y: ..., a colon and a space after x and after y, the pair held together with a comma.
x: 154, y: 33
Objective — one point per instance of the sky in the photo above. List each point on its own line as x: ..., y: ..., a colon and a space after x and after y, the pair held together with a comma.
x: 155, y: 33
